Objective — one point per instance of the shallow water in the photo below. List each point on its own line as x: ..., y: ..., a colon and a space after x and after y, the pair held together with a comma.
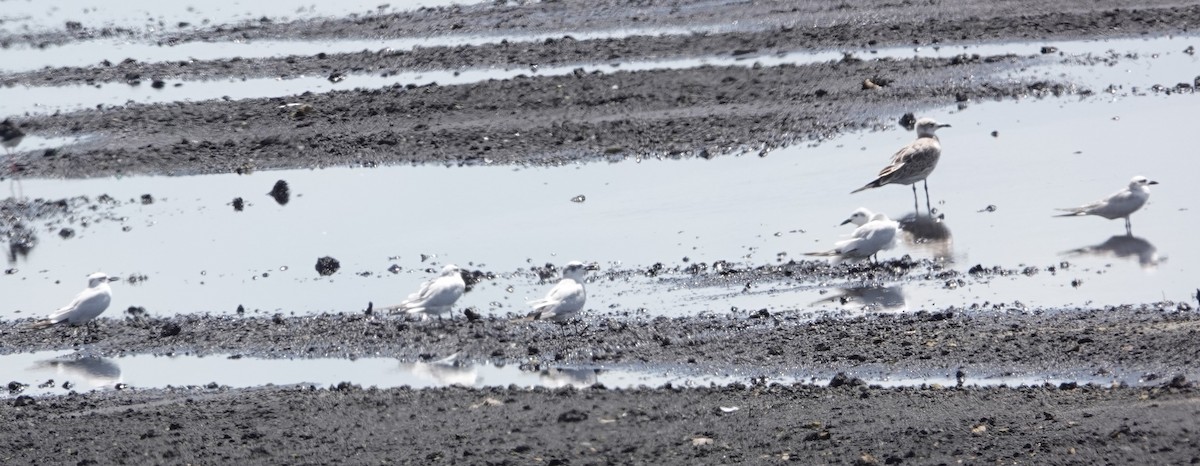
x: 90, y: 53
x: 150, y: 16
x: 45, y: 373
x: 1131, y: 63
x: 199, y: 255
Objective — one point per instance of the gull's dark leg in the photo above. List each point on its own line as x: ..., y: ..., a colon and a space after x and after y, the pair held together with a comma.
x: 916, y: 205
x: 1128, y: 227
x: 928, y: 208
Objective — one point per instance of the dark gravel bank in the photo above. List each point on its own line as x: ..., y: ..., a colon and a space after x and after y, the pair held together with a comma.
x: 771, y: 424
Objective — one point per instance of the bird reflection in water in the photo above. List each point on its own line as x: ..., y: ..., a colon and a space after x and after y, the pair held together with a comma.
x: 563, y: 377
x: 20, y: 242
x: 869, y: 298
x: 445, y: 371
x: 928, y: 233
x: 1123, y: 247
x: 89, y: 371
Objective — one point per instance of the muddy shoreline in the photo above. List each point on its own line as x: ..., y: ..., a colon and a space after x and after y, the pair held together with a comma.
x: 706, y: 111
x: 844, y: 24
x: 618, y: 116
x: 848, y: 422
x: 702, y: 112
x: 566, y: 50
x: 1144, y: 339
x: 735, y: 424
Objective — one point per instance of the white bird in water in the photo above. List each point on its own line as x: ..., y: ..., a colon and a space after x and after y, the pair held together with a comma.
x: 875, y: 298
x: 876, y: 235
x: 1120, y: 204
x: 914, y: 162
x: 445, y: 371
x: 436, y: 296
x: 555, y: 377
x: 92, y: 371
x: 90, y: 302
x: 1123, y: 246
x: 566, y: 299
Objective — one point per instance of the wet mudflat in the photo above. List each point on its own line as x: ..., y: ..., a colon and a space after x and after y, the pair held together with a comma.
x: 735, y: 305
x: 1134, y: 340
x: 1137, y: 404
x: 734, y: 424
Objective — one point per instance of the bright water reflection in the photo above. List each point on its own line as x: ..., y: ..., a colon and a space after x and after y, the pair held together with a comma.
x: 59, y: 372
x: 870, y: 298
x: 1124, y: 247
x: 928, y: 234
x: 191, y: 243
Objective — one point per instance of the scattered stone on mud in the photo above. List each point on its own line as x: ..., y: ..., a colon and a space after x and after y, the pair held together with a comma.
x: 473, y: 277
x: 170, y: 329
x: 327, y: 266
x: 15, y: 387
x: 573, y: 415
x: 238, y: 204
x: 136, y: 313
x: 66, y: 233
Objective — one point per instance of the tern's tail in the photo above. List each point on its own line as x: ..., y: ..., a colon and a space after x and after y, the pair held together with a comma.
x: 1071, y: 213
x: 44, y: 323
x: 527, y: 318
x: 822, y: 253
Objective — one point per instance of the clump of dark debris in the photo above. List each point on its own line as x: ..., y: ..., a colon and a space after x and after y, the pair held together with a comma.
x: 328, y: 266
x: 281, y: 192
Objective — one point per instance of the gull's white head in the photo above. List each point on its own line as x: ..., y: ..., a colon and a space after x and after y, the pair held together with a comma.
x: 1140, y: 182
x: 450, y: 269
x: 96, y: 279
x: 926, y: 127
x: 860, y: 217
x: 576, y: 270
